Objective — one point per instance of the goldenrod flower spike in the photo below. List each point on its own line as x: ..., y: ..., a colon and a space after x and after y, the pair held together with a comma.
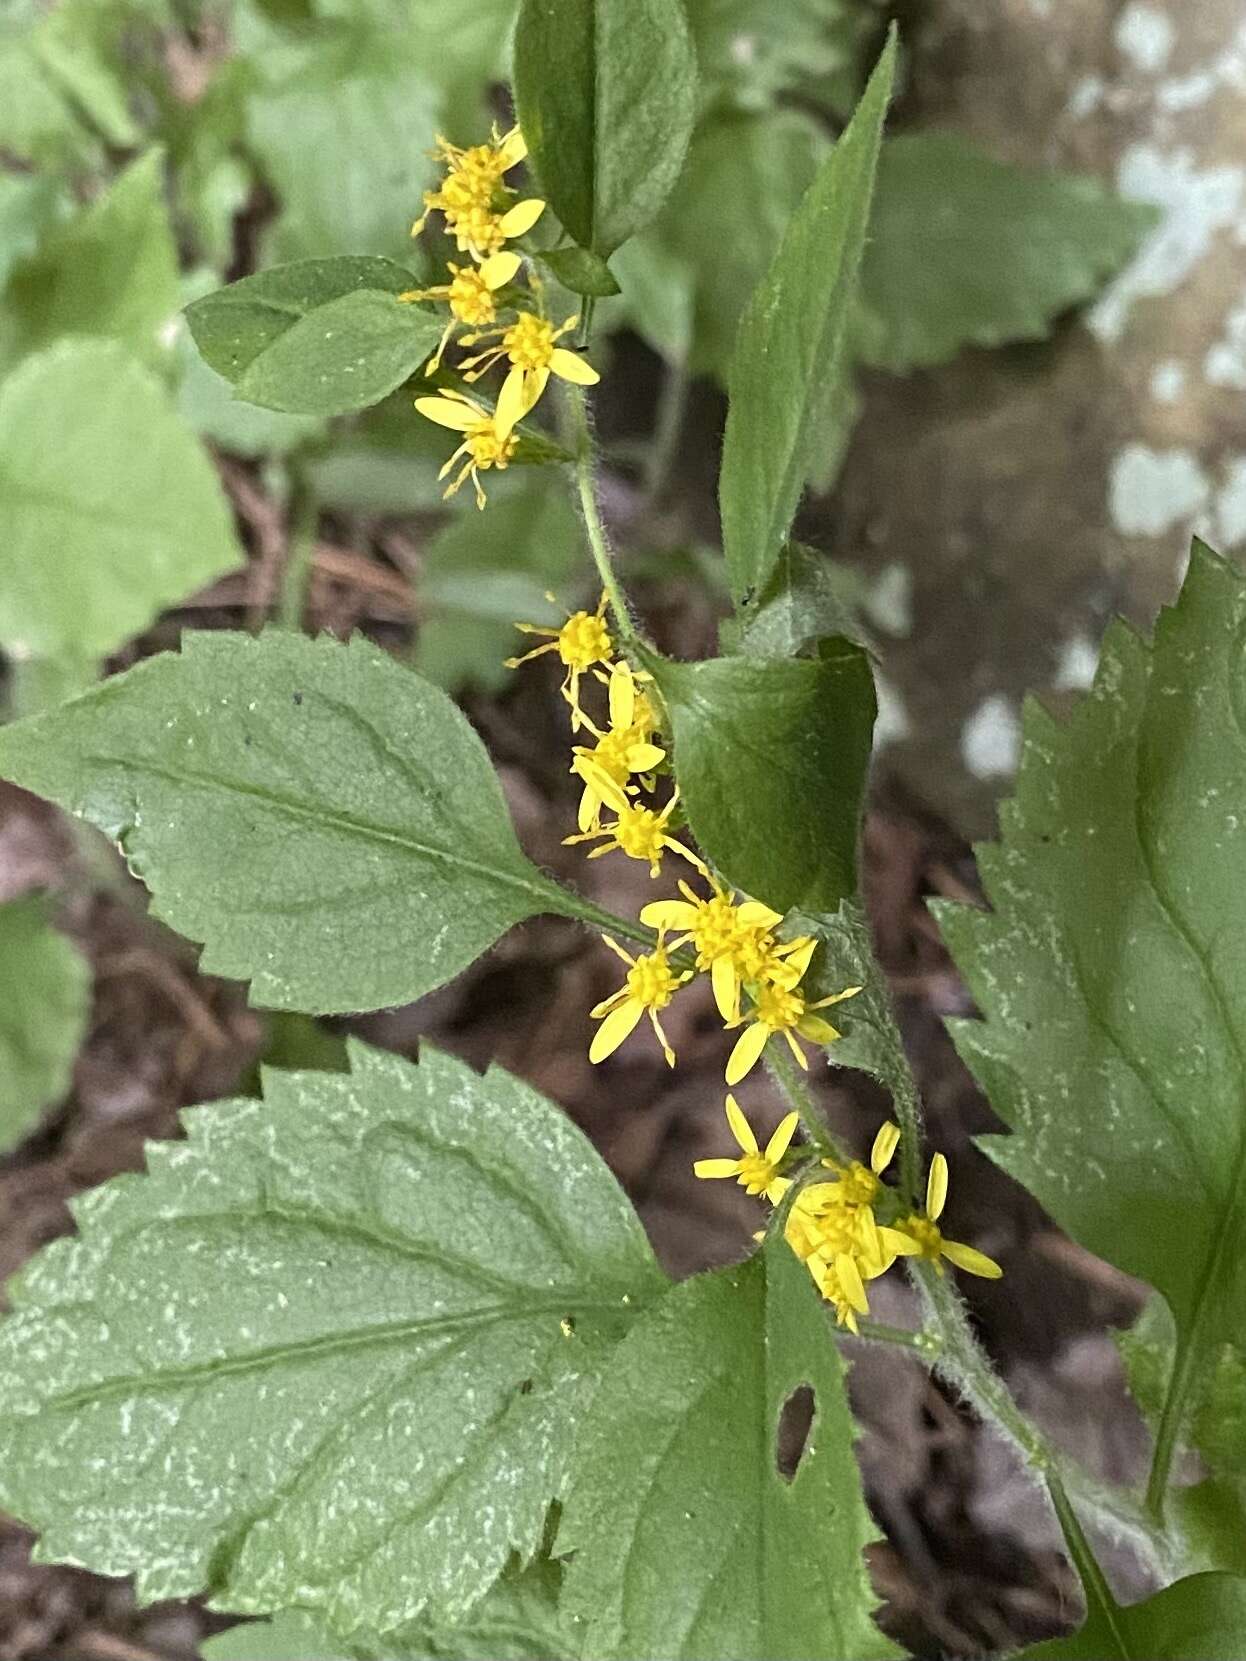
x: 582, y: 641
x: 638, y: 832
x: 650, y: 985
x: 473, y: 198
x: 625, y: 749
x: 469, y: 294
x: 781, y: 1009
x: 922, y: 1236
x: 530, y: 344
x: 482, y: 444
x: 756, y: 1172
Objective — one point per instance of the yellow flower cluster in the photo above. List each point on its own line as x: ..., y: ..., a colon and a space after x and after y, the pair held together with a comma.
x: 847, y: 1231
x: 755, y: 975
x: 483, y: 214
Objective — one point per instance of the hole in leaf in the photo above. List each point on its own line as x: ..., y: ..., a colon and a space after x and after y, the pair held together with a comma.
x: 795, y: 1423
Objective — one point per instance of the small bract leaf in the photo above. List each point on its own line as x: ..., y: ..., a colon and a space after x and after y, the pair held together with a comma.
x: 317, y: 337
x: 1002, y: 250
x: 792, y: 348
x: 771, y: 758
x: 43, y: 1012
x: 686, y: 1540
x: 109, y: 509
x: 606, y: 96
x: 323, y: 819
x: 333, y: 1347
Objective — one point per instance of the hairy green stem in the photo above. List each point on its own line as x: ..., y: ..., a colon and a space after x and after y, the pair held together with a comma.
x: 784, y: 1072
x: 927, y: 1344
x: 671, y: 413
x: 1099, y: 1599
x: 598, y: 541
x: 296, y: 578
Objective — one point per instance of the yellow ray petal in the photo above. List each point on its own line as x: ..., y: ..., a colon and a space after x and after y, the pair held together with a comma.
x: 725, y: 980
x: 817, y: 1030
x: 512, y: 149
x: 753, y: 914
x: 569, y: 366
x: 498, y: 270
x: 716, y: 1168
x: 973, y: 1262
x: 511, y: 402
x: 850, y: 1282
x: 622, y: 693
x: 936, y: 1188
x: 617, y: 1026
x: 781, y: 1140
x: 668, y: 914
x: 747, y: 1052
x: 448, y: 412
x: 643, y: 758
x: 522, y: 217
x: 740, y: 1127
x: 885, y: 1144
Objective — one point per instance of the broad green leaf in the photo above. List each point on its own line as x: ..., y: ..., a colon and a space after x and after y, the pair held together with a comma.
x: 687, y: 1541
x: 581, y: 271
x: 606, y: 95
x: 58, y: 93
x: 809, y: 597
x: 292, y: 1636
x: 109, y: 509
x: 791, y: 352
x: 111, y: 271
x: 43, y: 1014
x: 1199, y: 1619
x: 1108, y: 972
x: 484, y: 573
x: 333, y: 1348
x: 323, y: 819
x: 771, y: 758
x: 210, y: 407
x: 343, y: 126
x: 30, y: 206
x: 1217, y: 1417
x: 658, y: 291
x: 752, y: 52
x: 1001, y: 250
x: 744, y: 179
x: 317, y: 337
x: 459, y: 49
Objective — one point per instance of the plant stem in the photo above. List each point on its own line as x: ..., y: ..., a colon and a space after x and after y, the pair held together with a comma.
x: 671, y: 414
x: 783, y: 1070
x: 598, y: 541
x: 1099, y: 1599
x: 928, y: 1344
x: 304, y: 518
x: 1169, y: 1428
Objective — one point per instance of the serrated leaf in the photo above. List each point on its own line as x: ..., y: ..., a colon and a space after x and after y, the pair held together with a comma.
x: 606, y: 95
x: 483, y: 573
x: 341, y: 126
x: 333, y: 1348
x: 1002, y: 250
x: 111, y: 271
x: 686, y: 1540
x: 316, y: 337
x: 1217, y: 1409
x: 1198, y: 1619
x: 323, y: 819
x: 791, y: 351
x: 1108, y: 972
x: 43, y: 1015
x: 771, y: 758
x: 292, y: 1636
x: 109, y: 509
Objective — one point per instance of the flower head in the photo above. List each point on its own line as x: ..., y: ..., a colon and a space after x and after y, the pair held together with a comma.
x: 470, y: 296
x: 756, y: 1172
x: 728, y: 938
x: 639, y: 832
x: 582, y: 641
x: 530, y: 344
x: 625, y: 748
x: 924, y: 1238
x: 650, y: 985
x: 781, y: 1009
x: 483, y: 445
x: 479, y: 210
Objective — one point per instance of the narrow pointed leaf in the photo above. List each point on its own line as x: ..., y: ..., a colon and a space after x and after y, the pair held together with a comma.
x: 791, y: 350
x: 686, y: 1540
x: 323, y: 819
x: 331, y: 1351
x: 1109, y: 970
x: 606, y: 96
x: 45, y: 997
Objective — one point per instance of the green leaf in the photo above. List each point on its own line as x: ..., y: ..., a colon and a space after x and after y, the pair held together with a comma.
x: 752, y: 52
x: 581, y: 271
x: 43, y: 1015
x: 109, y: 509
x: 606, y: 95
x: 209, y: 406
x: 1002, y: 250
x: 1199, y: 1619
x: 58, y: 94
x: 342, y: 126
x: 1217, y: 1416
x: 791, y: 351
x: 484, y: 573
x: 29, y: 207
x: 687, y: 1541
x: 744, y: 179
x: 317, y: 337
x: 771, y: 759
x: 657, y: 296
x: 332, y: 1348
x: 112, y: 271
x: 322, y: 818
x: 1109, y: 970
x: 808, y: 597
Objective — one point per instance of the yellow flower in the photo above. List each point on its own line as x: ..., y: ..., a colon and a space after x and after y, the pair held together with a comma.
x: 839, y: 1281
x: 923, y: 1238
x: 638, y: 832
x: 650, y: 985
x: 530, y: 344
x: 624, y: 749
x: 582, y: 641
x: 482, y: 444
x: 473, y: 198
x: 781, y: 1009
x: 858, y: 1186
x: 469, y: 294
x: 726, y: 936
x: 757, y: 1173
